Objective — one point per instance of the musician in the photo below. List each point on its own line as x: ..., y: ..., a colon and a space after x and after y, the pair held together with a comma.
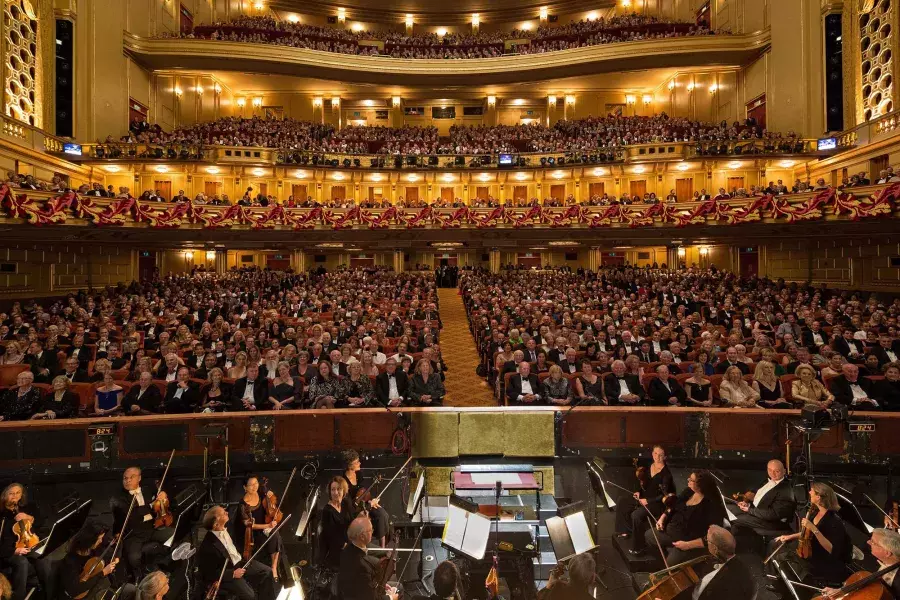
x: 14, y: 507
x: 831, y: 547
x: 731, y: 579
x: 74, y: 577
x: 142, y: 539
x: 885, y: 546
x: 154, y: 586
x: 448, y: 584
x: 358, y: 574
x: 250, y: 581
x: 632, y: 510
x: 772, y: 507
x: 681, y: 530
x: 379, y: 516
x: 582, y: 569
x: 252, y: 515
x: 336, y: 518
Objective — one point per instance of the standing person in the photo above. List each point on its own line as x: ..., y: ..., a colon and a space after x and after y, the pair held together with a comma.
x: 252, y: 511
x: 14, y: 507
x: 632, y: 510
x: 336, y: 519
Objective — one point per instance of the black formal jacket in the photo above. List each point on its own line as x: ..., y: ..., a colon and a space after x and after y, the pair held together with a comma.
x: 888, y: 395
x: 514, y: 389
x: 733, y: 581
x: 119, y: 504
x: 842, y: 347
x: 260, y: 393
x: 189, y: 400
x: 211, y: 557
x: 777, y: 506
x: 878, y: 351
x: 150, y: 401
x: 66, y: 408
x: 724, y: 365
x: 659, y: 395
x: 840, y: 387
x: 611, y: 388
x: 356, y: 576
x: 382, y: 386
x: 80, y: 376
x: 47, y: 360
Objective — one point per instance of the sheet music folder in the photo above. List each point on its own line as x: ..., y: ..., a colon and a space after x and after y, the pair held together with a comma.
x: 570, y: 535
x: 466, y: 530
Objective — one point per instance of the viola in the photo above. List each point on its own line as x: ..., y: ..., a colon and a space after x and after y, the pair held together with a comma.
x: 804, y: 548
x: 642, y: 474
x: 364, y: 494
x: 747, y: 497
x: 93, y: 565
x: 160, y: 505
x: 272, y: 505
x: 388, y: 564
x: 24, y: 536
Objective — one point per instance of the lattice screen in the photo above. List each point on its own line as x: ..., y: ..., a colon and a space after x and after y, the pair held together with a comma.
x: 20, y: 33
x: 876, y: 38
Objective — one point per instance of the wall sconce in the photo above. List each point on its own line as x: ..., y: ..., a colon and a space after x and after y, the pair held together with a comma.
x: 476, y: 19
x: 551, y: 100
x: 257, y: 102
x: 570, y: 100
x: 630, y: 99
x: 683, y: 167
x: 178, y: 92
x: 376, y: 177
x: 258, y: 6
x: 212, y: 170
x: 412, y: 177
x: 447, y: 177
x: 242, y: 102
x: 161, y: 169
x: 521, y: 176
x: 294, y: 18
x: 626, y: 3
x: 704, y: 250
x: 545, y: 13
x: 639, y: 169
x: 189, y: 255
x: 396, y: 101
x: 558, y: 174
x: 671, y: 85
x: 713, y: 89
x: 599, y: 172
x: 300, y: 174
x: 342, y: 15
x: 217, y: 89
x: 335, y: 102
x: 681, y: 251
x: 441, y: 31
x: 210, y: 255
x: 259, y: 172
x: 409, y: 21
x: 338, y: 176
x: 484, y: 177
x: 690, y: 87
x: 646, y: 99
x: 492, y: 101
x: 112, y: 168
x: 317, y: 102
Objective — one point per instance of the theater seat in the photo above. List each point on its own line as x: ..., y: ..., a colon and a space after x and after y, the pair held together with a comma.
x: 9, y: 373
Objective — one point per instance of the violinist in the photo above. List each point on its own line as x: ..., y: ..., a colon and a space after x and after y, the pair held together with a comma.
x: 336, y: 518
x: 77, y: 579
x: 681, y: 530
x: 379, y: 517
x: 253, y: 511
x: 143, y: 545
x: 447, y: 583
x: 582, y: 569
x: 16, y: 513
x: 830, y: 548
x: 731, y: 578
x: 657, y: 484
x: 771, y: 509
x: 885, y: 546
x: 250, y: 581
x: 358, y: 574
x: 154, y: 586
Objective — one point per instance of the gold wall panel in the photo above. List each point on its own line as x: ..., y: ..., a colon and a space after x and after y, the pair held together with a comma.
x: 436, y: 435
x: 529, y: 434
x: 482, y: 433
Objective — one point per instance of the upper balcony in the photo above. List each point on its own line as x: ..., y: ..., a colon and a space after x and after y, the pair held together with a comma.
x: 675, y: 52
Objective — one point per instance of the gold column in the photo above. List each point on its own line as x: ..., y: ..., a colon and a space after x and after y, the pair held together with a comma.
x: 595, y: 258
x: 495, y: 261
x: 399, y: 261
x: 221, y: 262
x: 298, y: 261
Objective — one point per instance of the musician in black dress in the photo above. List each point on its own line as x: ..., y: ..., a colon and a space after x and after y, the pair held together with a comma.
x: 379, y: 517
x: 358, y: 574
x: 252, y: 514
x: 681, y: 530
x: 249, y: 581
x: 85, y: 545
x: 632, y: 510
x: 336, y: 518
x: 14, y: 507
x: 143, y: 545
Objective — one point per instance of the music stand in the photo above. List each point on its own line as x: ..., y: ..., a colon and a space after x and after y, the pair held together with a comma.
x: 311, y: 500
x: 466, y: 530
x: 570, y: 535
x: 63, y: 529
x: 416, y: 496
x: 184, y: 524
x: 208, y: 433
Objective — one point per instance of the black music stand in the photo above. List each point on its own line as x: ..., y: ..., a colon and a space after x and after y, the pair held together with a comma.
x: 184, y: 523
x: 64, y: 528
x: 208, y: 433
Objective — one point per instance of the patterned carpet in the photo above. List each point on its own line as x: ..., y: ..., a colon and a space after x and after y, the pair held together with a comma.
x: 464, y: 387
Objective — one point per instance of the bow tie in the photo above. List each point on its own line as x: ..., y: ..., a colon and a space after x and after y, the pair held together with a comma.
x: 250, y: 382
x: 135, y: 492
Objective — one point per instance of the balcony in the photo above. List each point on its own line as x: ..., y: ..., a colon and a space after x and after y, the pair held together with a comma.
x: 210, y: 55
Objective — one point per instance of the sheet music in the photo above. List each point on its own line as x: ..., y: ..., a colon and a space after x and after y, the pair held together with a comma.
x: 477, y: 533
x: 491, y: 478
x: 579, y: 532
x: 455, y: 527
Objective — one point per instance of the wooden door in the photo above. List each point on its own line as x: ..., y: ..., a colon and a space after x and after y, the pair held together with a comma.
x: 375, y: 194
x: 165, y: 189
x: 412, y: 194
x: 734, y: 183
x: 638, y: 188
x: 757, y: 110
x: 338, y: 193
x: 482, y: 192
x: 146, y: 265
x: 211, y: 188
x: 597, y: 188
x: 447, y: 194
x: 749, y: 263
x: 558, y: 191
x: 298, y: 191
x: 187, y: 20
x: 520, y: 192
x: 263, y: 188
x: 684, y: 189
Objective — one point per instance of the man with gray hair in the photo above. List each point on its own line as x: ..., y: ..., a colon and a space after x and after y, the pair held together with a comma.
x: 251, y: 581
x: 731, y: 579
x: 357, y: 576
x: 885, y: 545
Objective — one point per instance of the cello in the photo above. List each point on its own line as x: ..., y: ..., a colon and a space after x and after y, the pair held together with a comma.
x: 160, y: 505
x: 669, y: 583
x: 387, y: 565
x: 863, y: 585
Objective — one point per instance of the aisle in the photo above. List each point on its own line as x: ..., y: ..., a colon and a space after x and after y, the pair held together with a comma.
x: 464, y: 387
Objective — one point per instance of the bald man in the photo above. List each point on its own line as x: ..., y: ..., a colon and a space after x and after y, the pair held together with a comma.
x: 731, y: 578
x: 245, y: 581
x: 771, y: 510
x: 357, y: 577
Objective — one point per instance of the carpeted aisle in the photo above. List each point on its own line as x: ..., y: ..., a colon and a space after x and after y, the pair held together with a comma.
x: 464, y: 387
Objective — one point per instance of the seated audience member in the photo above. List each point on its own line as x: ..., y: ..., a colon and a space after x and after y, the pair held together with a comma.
x: 13, y: 355
x: 698, y: 389
x: 59, y: 402
x: 664, y: 390
x: 887, y: 391
x: 144, y: 398
x: 182, y: 395
x: 392, y: 386
x: 523, y: 388
x: 834, y: 367
x: 250, y: 392
x: 588, y: 386
x: 885, y: 351
x: 20, y: 402
x: 43, y: 362
x: 326, y: 389
x: 285, y: 390
x: 556, y: 389
x: 622, y: 388
x: 735, y: 392
x: 768, y: 386
x: 806, y: 389
x: 215, y: 395
x: 569, y: 364
x: 425, y: 386
x: 108, y: 396
x: 731, y: 360
x: 852, y: 390
x: 359, y: 388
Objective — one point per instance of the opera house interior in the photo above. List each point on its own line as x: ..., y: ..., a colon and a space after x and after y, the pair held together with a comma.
x: 533, y: 300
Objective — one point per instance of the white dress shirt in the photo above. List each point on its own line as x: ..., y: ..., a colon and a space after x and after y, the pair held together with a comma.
x: 765, y: 490
x: 225, y: 538
x: 248, y: 393
x: 393, y: 392
x: 860, y: 394
x: 139, y: 499
x: 623, y: 388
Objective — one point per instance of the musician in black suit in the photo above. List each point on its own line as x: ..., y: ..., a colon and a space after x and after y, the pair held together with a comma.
x: 182, y: 395
x: 622, y: 388
x: 772, y: 508
x: 885, y: 547
x: 733, y: 579
x: 391, y: 387
x: 252, y: 581
x: 250, y: 392
x: 143, y: 398
x: 358, y: 572
x: 523, y: 388
x: 143, y: 545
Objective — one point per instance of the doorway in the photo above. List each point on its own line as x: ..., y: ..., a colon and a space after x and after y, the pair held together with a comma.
x: 748, y: 262
x: 362, y: 261
x: 146, y: 265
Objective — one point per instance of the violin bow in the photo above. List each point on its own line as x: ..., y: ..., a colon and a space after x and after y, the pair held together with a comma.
x: 221, y: 577
x: 882, y: 510
x: 166, y: 472
x: 267, y: 540
x: 286, y: 487
x: 397, y: 474
x: 658, y: 545
x: 121, y: 535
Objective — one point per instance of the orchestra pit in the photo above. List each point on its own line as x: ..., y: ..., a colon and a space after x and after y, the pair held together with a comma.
x: 532, y: 300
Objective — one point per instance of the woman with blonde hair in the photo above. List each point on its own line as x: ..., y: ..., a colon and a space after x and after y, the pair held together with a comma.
x: 806, y: 389
x: 14, y: 355
x: 240, y: 366
x: 768, y: 386
x: 556, y: 388
x: 425, y: 386
x: 735, y: 392
x: 369, y: 368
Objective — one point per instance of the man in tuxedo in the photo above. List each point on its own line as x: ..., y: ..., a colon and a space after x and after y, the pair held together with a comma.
x: 621, y: 388
x: 73, y: 372
x: 144, y: 398
x: 803, y: 358
x: 570, y: 363
x: 250, y: 392
x: 251, y: 581
x: 523, y: 387
x: 772, y: 507
x: 732, y: 361
x: 143, y: 545
x: 391, y: 386
x: 43, y: 364
x: 182, y: 395
x: 885, y: 547
x: 646, y: 353
x: 848, y: 347
x: 814, y: 338
x: 558, y: 354
x: 852, y: 390
x: 79, y: 352
x: 357, y: 576
x: 885, y: 351
x: 732, y: 579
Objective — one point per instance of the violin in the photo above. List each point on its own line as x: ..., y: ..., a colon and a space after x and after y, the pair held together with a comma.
x: 747, y: 497
x: 93, y: 565
x: 24, y: 536
x: 160, y: 505
x: 272, y: 505
x: 364, y: 494
x: 804, y: 547
x: 248, y: 531
x: 642, y: 474
x: 388, y: 564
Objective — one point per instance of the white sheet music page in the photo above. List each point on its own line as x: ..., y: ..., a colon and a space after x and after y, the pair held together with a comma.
x: 477, y: 533
x: 455, y: 527
x: 579, y: 532
x: 491, y: 478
